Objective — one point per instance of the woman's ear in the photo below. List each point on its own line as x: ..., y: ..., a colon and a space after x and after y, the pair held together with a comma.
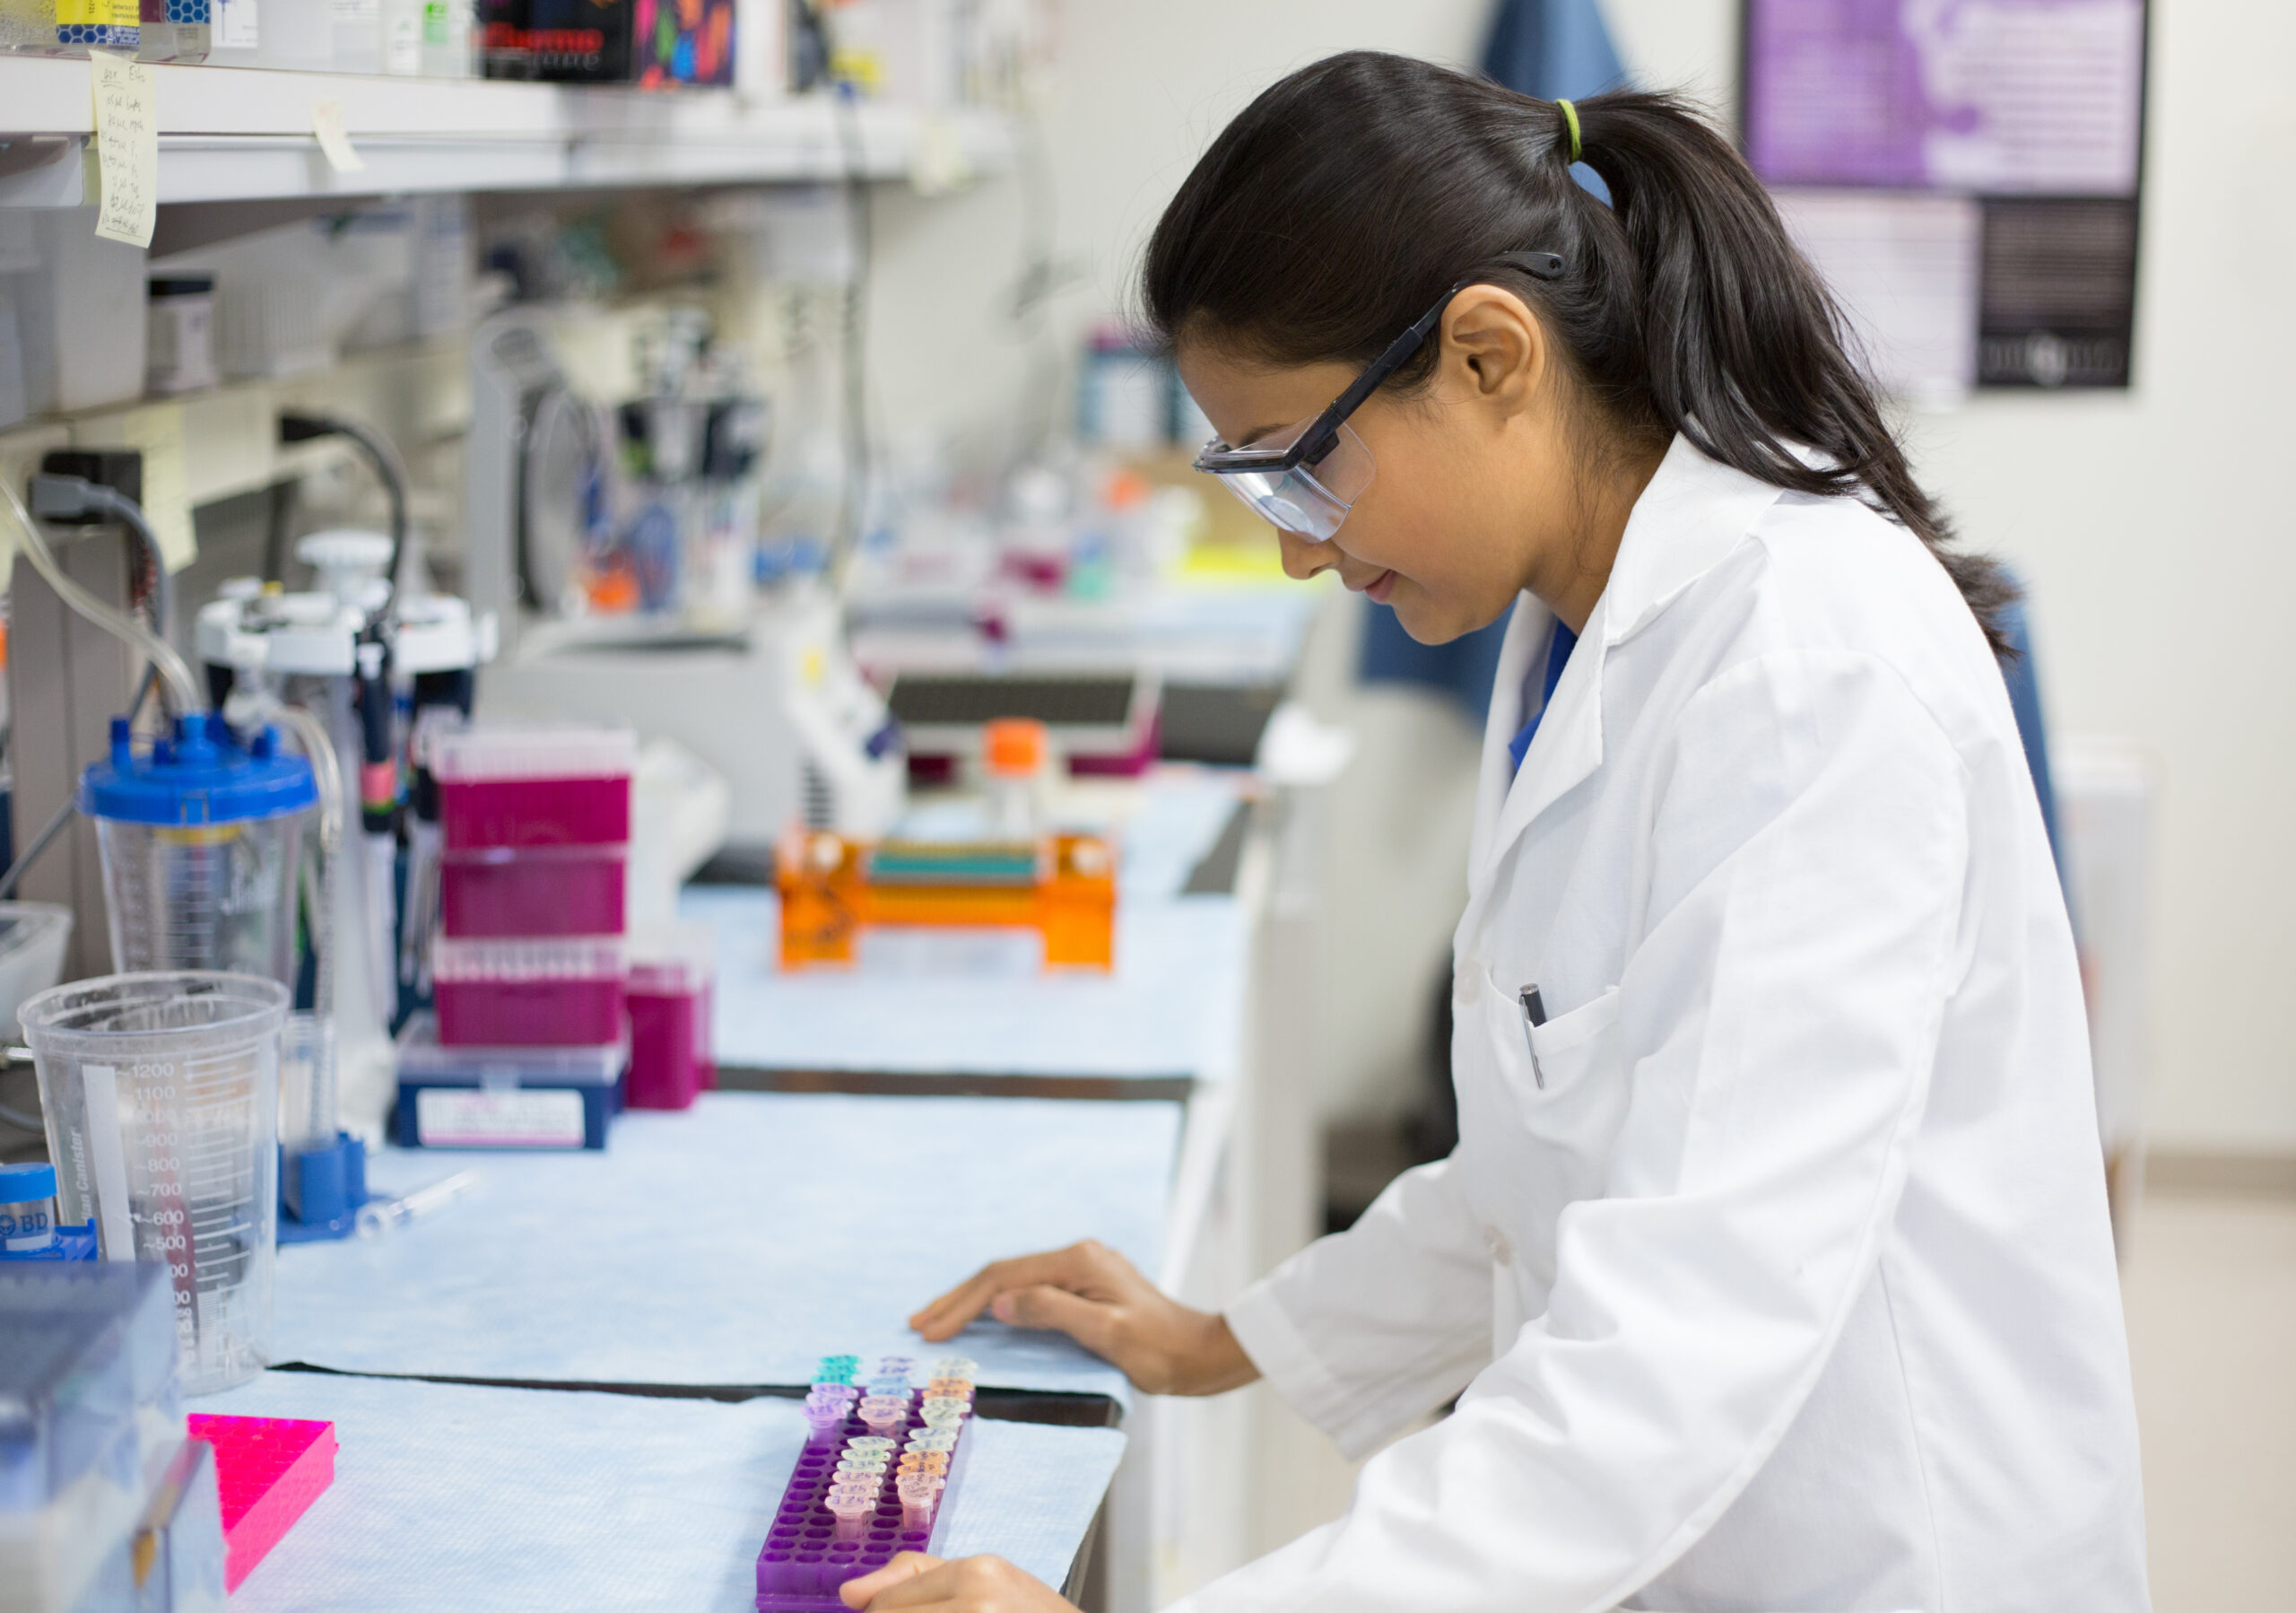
x: 1496, y: 346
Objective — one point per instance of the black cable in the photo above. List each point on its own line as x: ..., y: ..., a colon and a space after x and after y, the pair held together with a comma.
x: 31, y: 853
x: 279, y: 520
x: 390, y: 469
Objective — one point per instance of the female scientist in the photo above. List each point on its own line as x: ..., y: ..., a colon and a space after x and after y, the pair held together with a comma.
x: 1771, y: 1272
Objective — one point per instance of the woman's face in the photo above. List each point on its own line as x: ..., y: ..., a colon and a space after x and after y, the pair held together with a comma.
x: 1474, y: 497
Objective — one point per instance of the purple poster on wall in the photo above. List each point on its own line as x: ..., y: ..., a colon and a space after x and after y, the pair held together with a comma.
x: 1997, y: 97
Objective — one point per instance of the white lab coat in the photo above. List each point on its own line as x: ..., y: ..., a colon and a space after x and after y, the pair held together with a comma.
x: 1779, y: 1279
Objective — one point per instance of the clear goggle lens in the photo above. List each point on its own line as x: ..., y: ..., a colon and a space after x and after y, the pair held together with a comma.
x: 1312, y: 500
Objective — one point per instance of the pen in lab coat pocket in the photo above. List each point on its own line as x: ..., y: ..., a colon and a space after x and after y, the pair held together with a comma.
x: 1534, y: 1016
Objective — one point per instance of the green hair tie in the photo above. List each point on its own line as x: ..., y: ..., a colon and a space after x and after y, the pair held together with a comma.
x: 1571, y: 121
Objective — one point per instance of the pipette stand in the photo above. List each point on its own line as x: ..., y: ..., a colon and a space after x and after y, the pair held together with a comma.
x: 833, y: 887
x: 803, y: 1562
x: 321, y: 1190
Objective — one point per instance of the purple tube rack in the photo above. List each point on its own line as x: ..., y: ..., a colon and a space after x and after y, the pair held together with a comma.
x: 802, y: 1563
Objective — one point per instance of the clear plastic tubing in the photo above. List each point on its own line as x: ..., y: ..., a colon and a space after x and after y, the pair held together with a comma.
x: 188, y: 694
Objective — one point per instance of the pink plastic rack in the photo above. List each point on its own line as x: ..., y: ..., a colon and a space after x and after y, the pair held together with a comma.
x: 267, y: 1471
x: 811, y: 1549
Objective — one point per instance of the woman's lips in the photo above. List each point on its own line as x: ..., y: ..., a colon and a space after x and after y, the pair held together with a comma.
x: 1380, y: 588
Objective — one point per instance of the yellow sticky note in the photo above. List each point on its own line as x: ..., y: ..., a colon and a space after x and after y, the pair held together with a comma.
x: 127, y: 148
x: 327, y: 123
x: 157, y: 433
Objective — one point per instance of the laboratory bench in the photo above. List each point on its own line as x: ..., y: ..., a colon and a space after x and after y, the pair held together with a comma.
x: 451, y: 1496
x: 573, y: 1383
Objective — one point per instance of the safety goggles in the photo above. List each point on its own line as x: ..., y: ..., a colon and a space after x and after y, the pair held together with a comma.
x: 1305, y: 478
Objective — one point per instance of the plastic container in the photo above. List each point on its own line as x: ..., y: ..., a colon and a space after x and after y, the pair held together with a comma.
x: 504, y: 1097
x: 504, y: 890
x: 534, y: 786
x: 90, y: 1412
x: 162, y: 1095
x: 27, y: 1212
x: 179, y: 347
x: 200, y: 838
x: 268, y: 1471
x: 671, y: 979
x: 32, y: 938
x: 566, y: 992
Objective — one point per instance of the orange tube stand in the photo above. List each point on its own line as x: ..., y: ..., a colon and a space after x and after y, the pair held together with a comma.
x: 834, y: 887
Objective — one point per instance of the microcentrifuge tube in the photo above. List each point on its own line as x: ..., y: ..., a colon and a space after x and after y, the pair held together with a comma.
x: 851, y: 1506
x: 868, y: 1442
x: 951, y: 1388
x: 882, y: 1413
x: 933, y: 1439
x: 889, y: 1364
x: 955, y: 1367
x: 937, y: 1412
x: 919, y: 1497
x: 923, y: 1461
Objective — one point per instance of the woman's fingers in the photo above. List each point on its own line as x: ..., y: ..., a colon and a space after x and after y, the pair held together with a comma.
x: 1080, y: 1267
x: 907, y: 1565
x: 972, y: 1585
x: 1090, y: 1322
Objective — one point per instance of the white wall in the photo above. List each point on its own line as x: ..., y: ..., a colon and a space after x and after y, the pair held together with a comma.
x: 2158, y: 556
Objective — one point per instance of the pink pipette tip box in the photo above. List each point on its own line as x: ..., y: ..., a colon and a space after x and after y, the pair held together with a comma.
x: 267, y: 1470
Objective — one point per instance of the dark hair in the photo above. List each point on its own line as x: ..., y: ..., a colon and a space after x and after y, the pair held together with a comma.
x: 1346, y: 199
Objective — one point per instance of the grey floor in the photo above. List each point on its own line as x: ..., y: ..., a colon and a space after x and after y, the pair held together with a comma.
x: 2210, y: 1286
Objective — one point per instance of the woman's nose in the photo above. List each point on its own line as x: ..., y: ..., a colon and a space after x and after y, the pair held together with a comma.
x: 1303, y: 557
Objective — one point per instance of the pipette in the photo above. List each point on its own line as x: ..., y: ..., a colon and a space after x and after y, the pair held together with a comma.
x: 379, y: 1216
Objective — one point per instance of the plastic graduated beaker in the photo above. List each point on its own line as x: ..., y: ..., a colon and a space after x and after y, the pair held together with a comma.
x: 162, y: 1095
x: 201, y: 837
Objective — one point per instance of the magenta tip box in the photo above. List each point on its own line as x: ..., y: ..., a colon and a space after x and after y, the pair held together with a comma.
x: 269, y: 1470
x: 539, y: 991
x: 533, y: 785
x: 822, y: 1537
x: 498, y: 891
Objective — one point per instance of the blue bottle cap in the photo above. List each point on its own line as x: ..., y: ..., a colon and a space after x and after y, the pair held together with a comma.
x: 201, y: 775
x: 27, y: 1184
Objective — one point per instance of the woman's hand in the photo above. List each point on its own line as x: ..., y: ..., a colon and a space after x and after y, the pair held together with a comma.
x: 969, y: 1585
x: 1100, y: 1299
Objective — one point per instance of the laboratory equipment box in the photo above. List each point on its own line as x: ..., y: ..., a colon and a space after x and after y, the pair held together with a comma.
x: 93, y: 1412
x: 505, y: 890
x: 505, y: 1097
x: 569, y: 992
x: 268, y: 1471
x: 534, y: 786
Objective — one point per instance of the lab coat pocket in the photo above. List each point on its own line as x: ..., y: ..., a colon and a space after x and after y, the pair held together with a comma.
x: 1554, y: 1104
x: 1564, y: 1052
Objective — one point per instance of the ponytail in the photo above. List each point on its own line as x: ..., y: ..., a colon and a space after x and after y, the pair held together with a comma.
x: 1345, y: 199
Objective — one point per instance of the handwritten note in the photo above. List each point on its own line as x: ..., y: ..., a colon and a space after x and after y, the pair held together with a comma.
x: 127, y: 148
x: 157, y: 433
x: 327, y: 123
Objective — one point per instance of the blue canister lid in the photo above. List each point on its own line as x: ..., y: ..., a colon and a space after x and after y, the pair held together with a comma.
x: 26, y: 1184
x: 201, y: 775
